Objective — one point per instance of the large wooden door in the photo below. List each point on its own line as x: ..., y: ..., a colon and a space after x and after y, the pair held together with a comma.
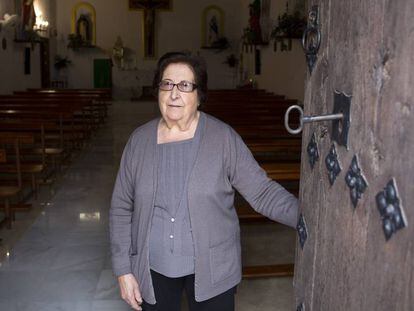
x: 351, y: 258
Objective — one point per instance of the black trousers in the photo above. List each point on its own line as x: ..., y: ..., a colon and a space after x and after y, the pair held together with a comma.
x: 169, y: 291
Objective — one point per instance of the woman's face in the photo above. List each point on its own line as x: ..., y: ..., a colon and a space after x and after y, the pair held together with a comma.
x: 176, y: 105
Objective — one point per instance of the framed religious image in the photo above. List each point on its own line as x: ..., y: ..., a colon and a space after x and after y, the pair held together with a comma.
x: 84, y: 24
x: 212, y: 26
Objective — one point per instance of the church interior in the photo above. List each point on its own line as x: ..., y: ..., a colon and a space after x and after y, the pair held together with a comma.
x: 76, y: 80
x: 54, y: 249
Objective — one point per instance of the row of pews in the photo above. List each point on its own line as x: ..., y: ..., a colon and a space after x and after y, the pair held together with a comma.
x: 258, y: 117
x: 41, y: 130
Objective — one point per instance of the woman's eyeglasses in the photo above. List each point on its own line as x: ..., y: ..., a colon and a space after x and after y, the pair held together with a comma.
x: 183, y: 86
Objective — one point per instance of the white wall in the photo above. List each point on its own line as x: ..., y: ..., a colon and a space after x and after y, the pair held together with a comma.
x: 284, y: 72
x: 6, y: 6
x: 177, y: 29
x: 12, y: 75
x: 281, y: 72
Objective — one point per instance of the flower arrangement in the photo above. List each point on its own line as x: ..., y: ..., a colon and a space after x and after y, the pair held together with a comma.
x: 76, y: 41
x: 221, y: 43
x: 61, y: 62
x: 231, y: 61
x: 289, y: 25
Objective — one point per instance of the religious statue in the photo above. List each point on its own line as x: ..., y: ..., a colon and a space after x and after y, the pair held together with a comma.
x: 84, y: 29
x: 83, y: 26
x: 28, y: 15
x: 254, y: 22
x: 118, y: 52
x: 213, y: 30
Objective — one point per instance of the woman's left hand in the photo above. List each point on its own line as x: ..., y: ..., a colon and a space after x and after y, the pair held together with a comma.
x: 130, y: 291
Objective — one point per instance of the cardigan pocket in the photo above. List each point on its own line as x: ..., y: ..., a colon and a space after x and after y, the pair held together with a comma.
x: 223, y: 260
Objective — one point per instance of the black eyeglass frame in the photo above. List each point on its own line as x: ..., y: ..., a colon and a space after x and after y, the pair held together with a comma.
x: 179, y: 85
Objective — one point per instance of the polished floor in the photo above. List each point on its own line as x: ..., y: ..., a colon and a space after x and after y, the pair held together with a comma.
x: 57, y: 255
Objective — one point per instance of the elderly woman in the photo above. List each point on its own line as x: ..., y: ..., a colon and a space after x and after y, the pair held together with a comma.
x: 173, y: 224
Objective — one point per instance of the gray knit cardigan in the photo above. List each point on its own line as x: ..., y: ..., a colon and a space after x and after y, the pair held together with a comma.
x: 223, y: 164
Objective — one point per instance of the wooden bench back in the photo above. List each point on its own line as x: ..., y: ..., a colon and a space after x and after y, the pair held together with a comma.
x: 22, y: 138
x: 103, y: 92
x: 3, y: 157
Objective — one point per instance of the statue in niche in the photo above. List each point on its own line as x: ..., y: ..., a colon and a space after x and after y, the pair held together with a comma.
x: 83, y: 26
x: 28, y: 15
x: 118, y: 53
x: 213, y: 30
x: 27, y: 21
x: 84, y: 29
x: 254, y: 21
x: 124, y: 58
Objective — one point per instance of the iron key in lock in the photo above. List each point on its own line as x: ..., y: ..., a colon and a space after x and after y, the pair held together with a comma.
x: 308, y: 119
x: 341, y: 118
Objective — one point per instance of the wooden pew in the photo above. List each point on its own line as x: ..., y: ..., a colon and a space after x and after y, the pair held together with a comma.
x: 281, y: 270
x: 258, y: 118
x: 29, y: 169
x: 84, y: 110
x: 280, y: 150
x: 37, y: 152
x: 9, y: 191
x: 104, y: 93
x: 101, y: 97
x: 54, y: 142
x: 76, y: 119
x: 41, y: 118
x: 69, y: 134
x: 14, y: 187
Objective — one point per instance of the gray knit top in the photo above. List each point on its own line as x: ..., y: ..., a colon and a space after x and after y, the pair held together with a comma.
x: 171, y: 248
x: 223, y: 165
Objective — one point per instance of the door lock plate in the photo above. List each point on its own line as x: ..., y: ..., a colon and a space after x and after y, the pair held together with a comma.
x: 340, y: 127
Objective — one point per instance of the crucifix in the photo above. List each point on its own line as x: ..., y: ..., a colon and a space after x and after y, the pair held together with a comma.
x: 149, y: 7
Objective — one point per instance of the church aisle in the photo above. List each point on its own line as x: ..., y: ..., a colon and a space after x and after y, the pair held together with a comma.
x: 62, y: 261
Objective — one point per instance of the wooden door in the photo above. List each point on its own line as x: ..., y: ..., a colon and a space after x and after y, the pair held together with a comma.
x: 351, y: 258
x: 102, y: 73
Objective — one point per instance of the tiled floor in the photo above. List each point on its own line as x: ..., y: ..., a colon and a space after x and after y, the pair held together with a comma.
x: 58, y: 254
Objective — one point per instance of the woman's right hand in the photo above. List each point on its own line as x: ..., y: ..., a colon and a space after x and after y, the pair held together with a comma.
x: 130, y: 291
